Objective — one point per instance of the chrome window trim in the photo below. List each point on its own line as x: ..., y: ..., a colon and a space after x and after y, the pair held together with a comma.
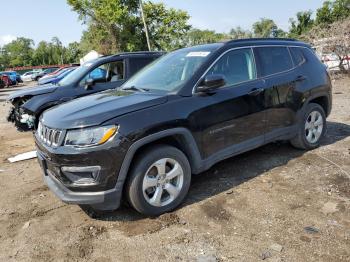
x: 251, y: 47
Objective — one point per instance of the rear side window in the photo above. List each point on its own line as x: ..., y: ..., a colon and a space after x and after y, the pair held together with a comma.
x: 272, y: 60
x: 298, y: 56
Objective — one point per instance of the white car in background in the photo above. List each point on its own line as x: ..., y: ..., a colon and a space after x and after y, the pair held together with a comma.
x: 332, y: 61
x: 27, y: 76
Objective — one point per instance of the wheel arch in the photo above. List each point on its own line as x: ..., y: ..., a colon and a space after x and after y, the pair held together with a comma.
x: 322, y: 99
x: 180, y: 138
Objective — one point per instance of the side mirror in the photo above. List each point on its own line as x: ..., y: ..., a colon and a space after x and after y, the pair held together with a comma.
x: 211, y: 82
x: 89, y: 83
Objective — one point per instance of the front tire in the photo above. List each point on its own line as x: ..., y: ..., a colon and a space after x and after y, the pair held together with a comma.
x: 312, y: 127
x: 159, y: 180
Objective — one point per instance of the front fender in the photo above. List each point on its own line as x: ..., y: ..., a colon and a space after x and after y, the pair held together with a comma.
x: 37, y: 104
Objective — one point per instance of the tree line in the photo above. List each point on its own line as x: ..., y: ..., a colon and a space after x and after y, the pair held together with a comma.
x: 116, y: 26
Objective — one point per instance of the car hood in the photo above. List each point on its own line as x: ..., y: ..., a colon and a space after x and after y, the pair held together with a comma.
x: 97, y: 108
x: 33, y: 91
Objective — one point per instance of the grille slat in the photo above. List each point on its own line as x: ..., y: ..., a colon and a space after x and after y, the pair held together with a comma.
x: 50, y: 136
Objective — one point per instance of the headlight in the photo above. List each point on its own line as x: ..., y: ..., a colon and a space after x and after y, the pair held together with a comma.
x: 90, y: 136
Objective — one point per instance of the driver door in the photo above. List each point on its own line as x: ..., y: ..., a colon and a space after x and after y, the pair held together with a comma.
x: 233, y: 119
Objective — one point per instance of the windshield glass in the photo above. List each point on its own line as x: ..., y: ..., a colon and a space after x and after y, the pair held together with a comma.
x: 76, y: 75
x: 170, y: 72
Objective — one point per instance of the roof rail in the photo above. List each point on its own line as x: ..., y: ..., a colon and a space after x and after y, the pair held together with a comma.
x: 261, y: 39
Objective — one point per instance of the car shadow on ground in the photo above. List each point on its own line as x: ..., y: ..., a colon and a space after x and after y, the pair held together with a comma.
x: 228, y: 174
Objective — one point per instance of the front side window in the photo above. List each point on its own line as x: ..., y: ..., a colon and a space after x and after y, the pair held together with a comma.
x: 109, y: 72
x: 236, y: 66
x: 273, y: 60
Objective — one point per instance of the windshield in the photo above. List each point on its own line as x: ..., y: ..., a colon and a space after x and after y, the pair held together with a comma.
x: 171, y: 72
x: 76, y: 75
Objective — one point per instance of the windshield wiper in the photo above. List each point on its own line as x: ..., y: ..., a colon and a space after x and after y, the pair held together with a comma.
x: 134, y: 88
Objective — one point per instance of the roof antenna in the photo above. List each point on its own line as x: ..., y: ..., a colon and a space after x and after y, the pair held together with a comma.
x: 145, y: 25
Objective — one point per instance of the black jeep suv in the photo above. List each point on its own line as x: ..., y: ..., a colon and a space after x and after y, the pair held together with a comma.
x: 101, y: 74
x: 178, y: 117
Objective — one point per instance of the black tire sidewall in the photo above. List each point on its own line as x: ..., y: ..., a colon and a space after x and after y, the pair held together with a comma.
x: 142, y: 163
x: 310, y: 108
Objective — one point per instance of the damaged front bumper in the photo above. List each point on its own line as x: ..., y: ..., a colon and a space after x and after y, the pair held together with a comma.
x: 24, y: 121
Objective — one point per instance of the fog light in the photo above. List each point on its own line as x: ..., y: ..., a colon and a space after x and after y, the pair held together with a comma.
x: 86, y: 175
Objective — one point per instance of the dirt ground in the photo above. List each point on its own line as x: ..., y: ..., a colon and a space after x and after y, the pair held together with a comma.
x: 275, y: 203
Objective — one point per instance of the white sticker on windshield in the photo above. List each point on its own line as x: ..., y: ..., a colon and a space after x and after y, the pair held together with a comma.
x: 197, y: 54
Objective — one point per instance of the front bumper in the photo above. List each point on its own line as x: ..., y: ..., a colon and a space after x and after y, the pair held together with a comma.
x: 104, y: 200
x: 105, y: 194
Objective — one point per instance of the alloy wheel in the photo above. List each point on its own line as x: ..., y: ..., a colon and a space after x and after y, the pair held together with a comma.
x: 163, y: 182
x: 313, y: 127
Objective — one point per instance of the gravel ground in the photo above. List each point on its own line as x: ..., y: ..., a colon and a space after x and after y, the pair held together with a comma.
x: 275, y: 203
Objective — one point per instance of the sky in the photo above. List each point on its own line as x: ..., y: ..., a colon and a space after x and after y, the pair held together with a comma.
x: 44, y: 19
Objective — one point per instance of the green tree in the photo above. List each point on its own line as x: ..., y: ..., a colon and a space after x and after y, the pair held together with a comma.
x: 95, y: 38
x: 73, y: 53
x: 57, y: 50
x: 332, y: 11
x: 167, y: 27
x: 197, y: 37
x: 301, y: 25
x: 41, y: 54
x: 116, y: 25
x: 117, y: 18
x: 267, y: 28
x: 239, y: 33
x: 19, y: 52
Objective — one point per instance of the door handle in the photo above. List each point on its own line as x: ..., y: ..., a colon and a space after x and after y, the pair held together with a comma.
x: 300, y: 79
x: 255, y: 91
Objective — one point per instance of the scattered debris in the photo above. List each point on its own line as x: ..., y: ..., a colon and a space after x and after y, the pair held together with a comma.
x: 329, y: 208
x: 23, y: 156
x: 2, y: 170
x: 276, y: 247
x: 305, y: 239
x: 207, y: 258
x: 333, y: 223
x: 266, y: 254
x: 26, y: 225
x: 229, y: 192
x: 311, y: 230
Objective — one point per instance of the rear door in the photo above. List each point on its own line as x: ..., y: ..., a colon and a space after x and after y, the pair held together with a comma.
x: 276, y: 68
x: 233, y: 117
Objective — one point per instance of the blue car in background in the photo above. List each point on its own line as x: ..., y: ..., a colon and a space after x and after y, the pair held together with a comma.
x: 12, y: 75
x: 55, y: 79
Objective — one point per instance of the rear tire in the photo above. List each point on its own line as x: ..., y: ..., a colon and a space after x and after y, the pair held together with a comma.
x: 159, y: 180
x: 311, y: 128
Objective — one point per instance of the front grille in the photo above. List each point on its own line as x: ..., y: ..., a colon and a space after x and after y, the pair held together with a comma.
x: 50, y: 136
